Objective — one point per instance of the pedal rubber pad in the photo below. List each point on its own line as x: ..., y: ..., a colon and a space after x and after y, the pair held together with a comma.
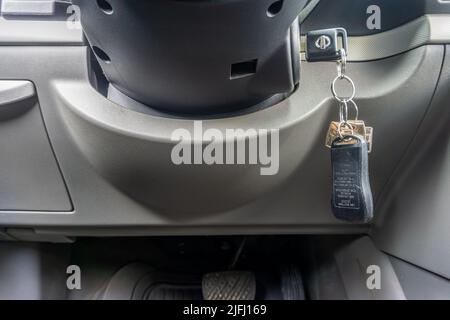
x: 229, y: 285
x: 292, y: 283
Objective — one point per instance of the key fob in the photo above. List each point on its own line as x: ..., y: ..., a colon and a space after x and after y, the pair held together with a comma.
x: 351, y: 194
x: 322, y: 45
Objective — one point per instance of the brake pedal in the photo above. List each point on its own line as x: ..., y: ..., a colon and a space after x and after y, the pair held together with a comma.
x: 229, y: 285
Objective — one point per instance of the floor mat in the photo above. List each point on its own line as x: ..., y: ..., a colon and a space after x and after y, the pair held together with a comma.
x: 138, y: 281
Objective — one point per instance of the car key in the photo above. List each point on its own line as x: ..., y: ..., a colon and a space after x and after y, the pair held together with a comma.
x: 357, y: 127
x: 351, y: 193
x: 350, y: 140
x: 369, y: 138
x: 323, y: 45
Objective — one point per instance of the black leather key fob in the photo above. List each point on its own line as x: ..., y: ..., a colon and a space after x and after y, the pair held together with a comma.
x: 351, y: 195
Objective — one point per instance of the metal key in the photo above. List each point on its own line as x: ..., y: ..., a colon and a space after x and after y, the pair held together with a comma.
x: 358, y: 126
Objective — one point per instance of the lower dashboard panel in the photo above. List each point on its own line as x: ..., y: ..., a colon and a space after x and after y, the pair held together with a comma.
x: 98, y: 145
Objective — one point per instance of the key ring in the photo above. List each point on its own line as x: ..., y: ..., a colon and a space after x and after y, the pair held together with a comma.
x: 342, y: 63
x: 341, y: 127
x: 335, y: 94
x: 343, y: 111
x: 355, y: 106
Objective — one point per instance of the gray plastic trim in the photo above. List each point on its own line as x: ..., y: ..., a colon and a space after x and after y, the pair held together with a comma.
x: 419, y: 284
x: 88, y: 132
x: 429, y: 29
x: 307, y: 10
x: 33, y: 271
x: 28, y: 7
x: 14, y: 91
x: 189, y: 230
x: 353, y: 261
x: 38, y: 33
x: 30, y: 178
x: 29, y: 235
x: 414, y: 217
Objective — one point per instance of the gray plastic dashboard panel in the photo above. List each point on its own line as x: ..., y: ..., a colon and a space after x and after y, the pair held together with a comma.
x: 16, y: 31
x: 366, y: 17
x: 34, y: 7
x: 428, y: 29
x: 414, y: 216
x: 99, y: 145
x: 30, y: 179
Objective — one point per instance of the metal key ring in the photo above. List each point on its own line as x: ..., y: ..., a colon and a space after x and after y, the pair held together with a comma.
x: 343, y: 111
x: 333, y: 89
x: 342, y: 125
x: 342, y: 63
x: 356, y: 109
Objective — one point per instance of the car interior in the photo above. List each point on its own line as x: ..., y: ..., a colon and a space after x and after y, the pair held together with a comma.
x: 224, y: 149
